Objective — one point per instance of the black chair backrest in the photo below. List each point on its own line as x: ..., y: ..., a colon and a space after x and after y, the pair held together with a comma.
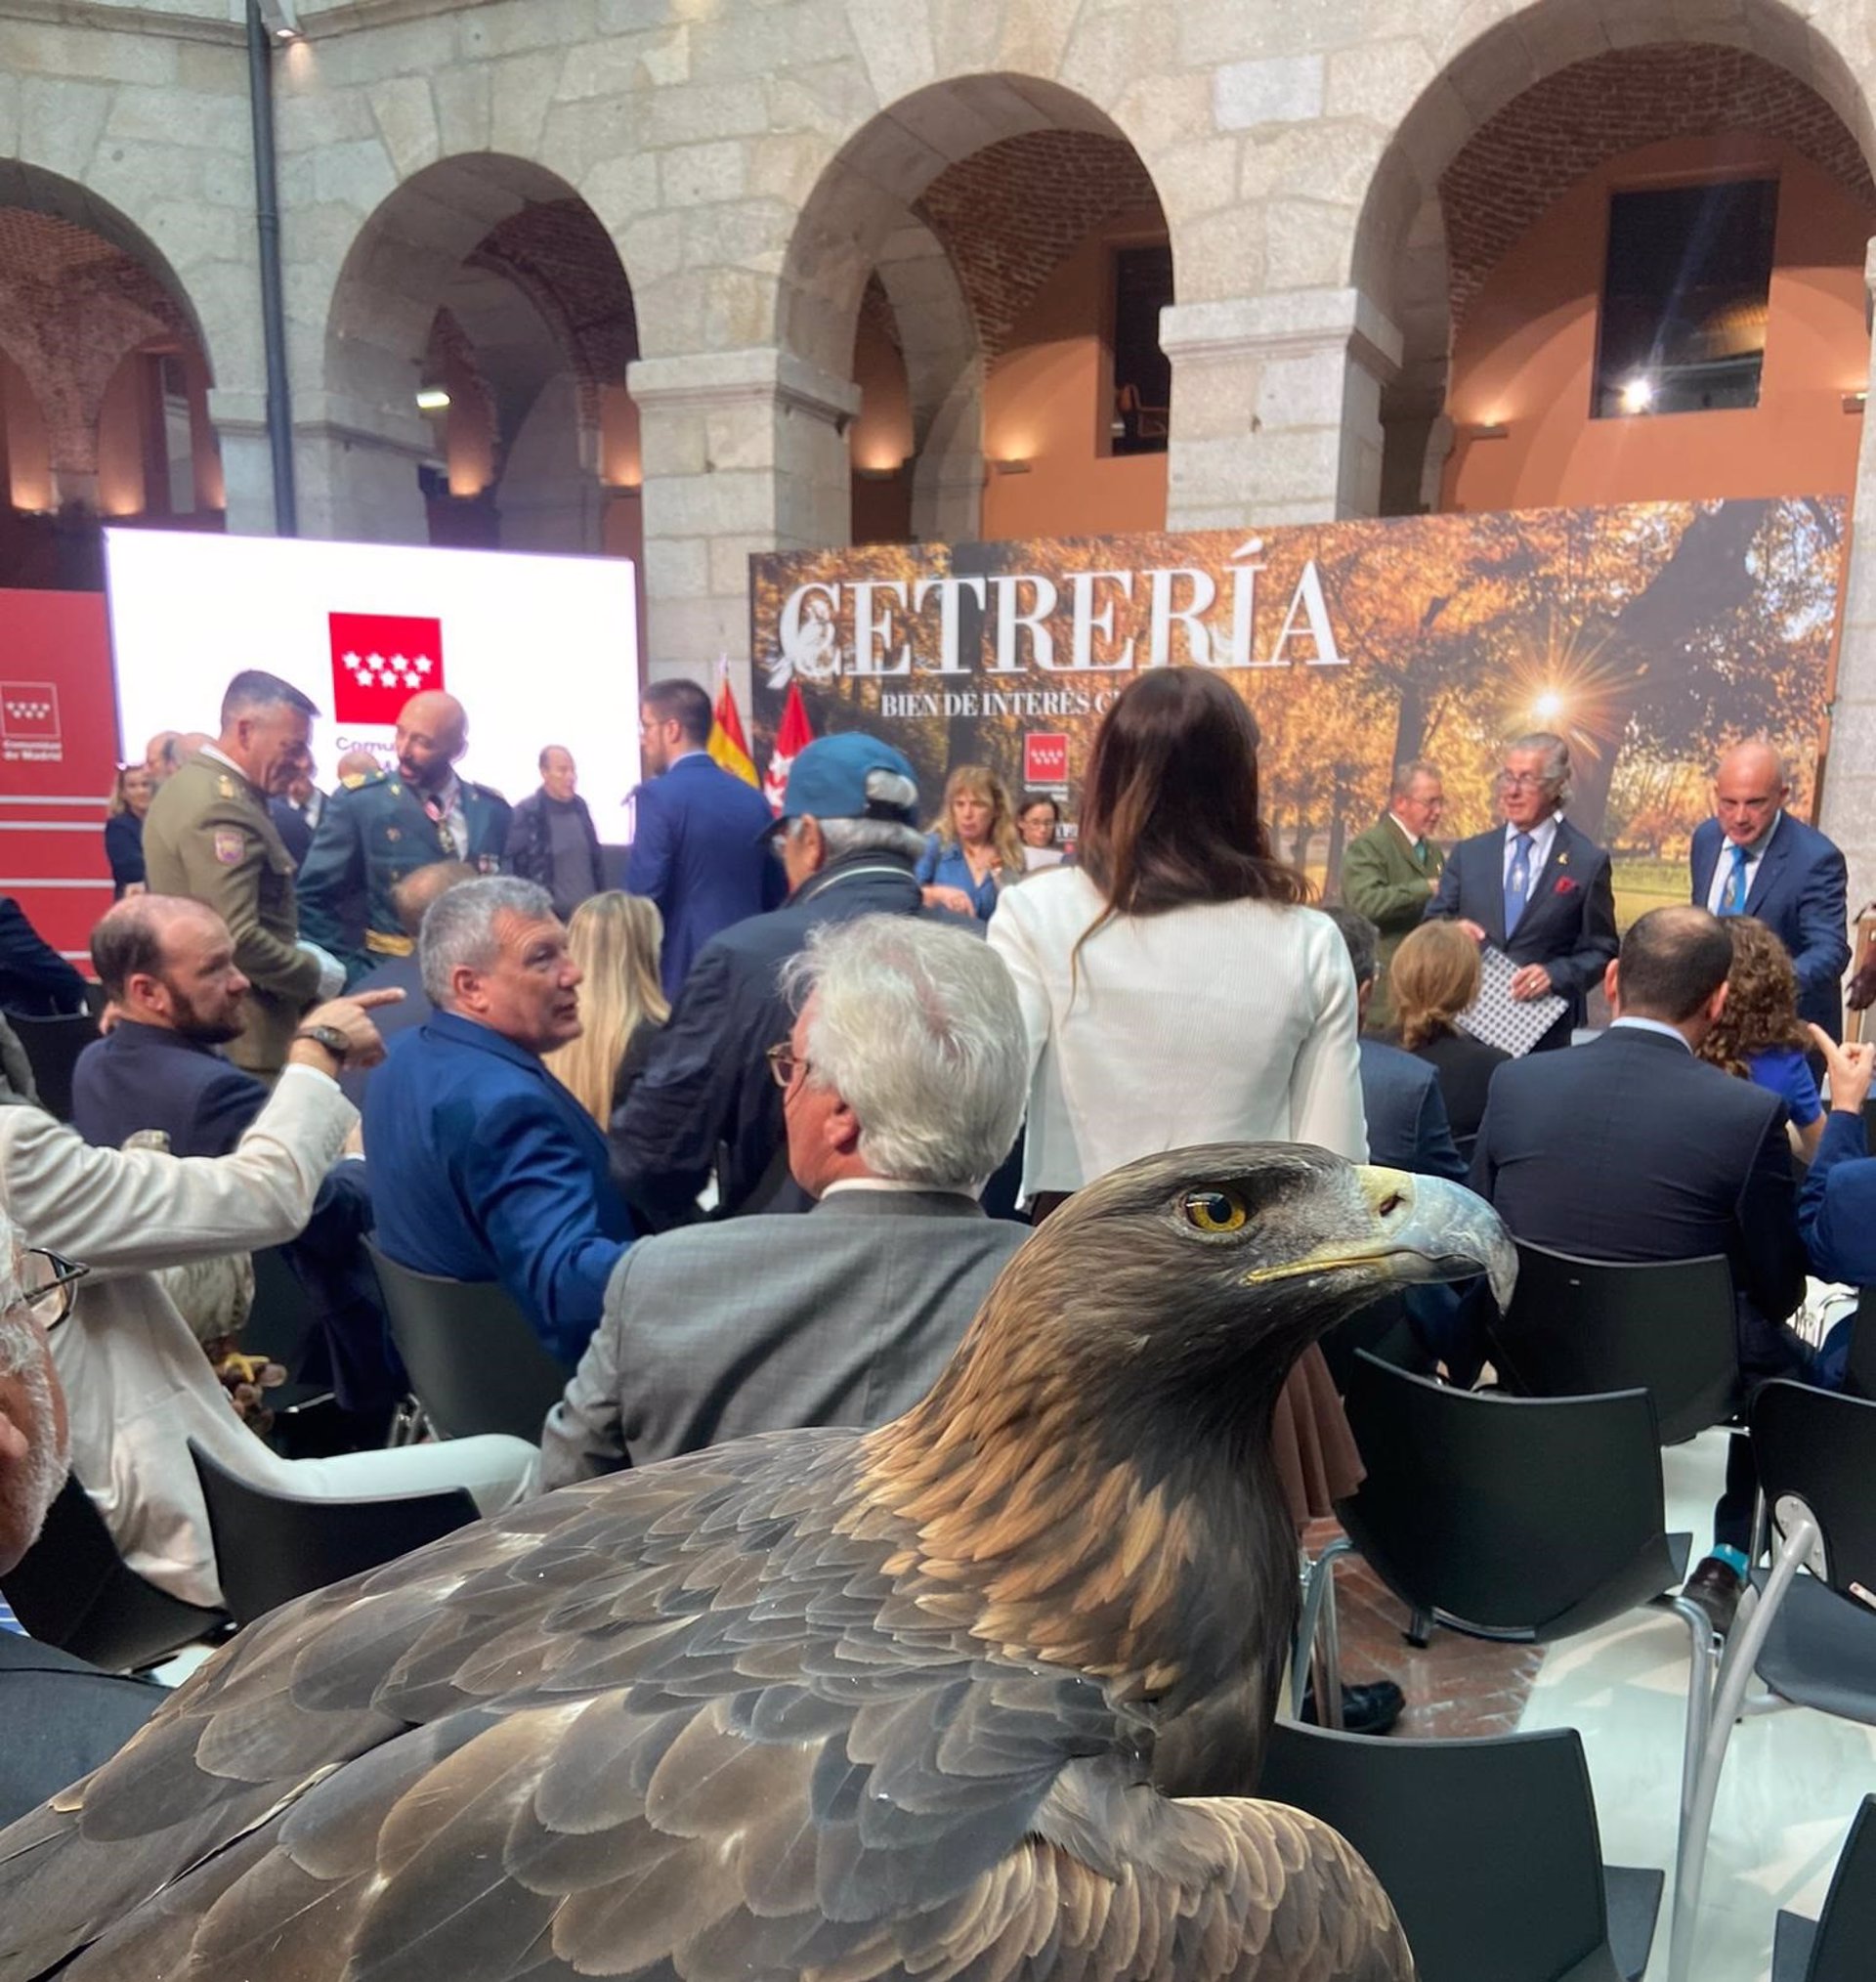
x: 52, y: 1047
x: 1517, y: 1811
x: 73, y: 1590
x: 1860, y: 1368
x: 1847, y: 1926
x: 1525, y: 1515
x: 1821, y: 1448
x: 474, y: 1362
x: 281, y: 1325
x: 272, y: 1547
x: 1577, y: 1327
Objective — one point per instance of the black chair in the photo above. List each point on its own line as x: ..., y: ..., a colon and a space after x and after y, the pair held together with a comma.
x: 474, y: 1362
x: 72, y: 1589
x: 52, y: 1047
x: 272, y: 1547
x: 1578, y: 1327
x: 1512, y: 1817
x: 1803, y: 1628
x: 1836, y: 1946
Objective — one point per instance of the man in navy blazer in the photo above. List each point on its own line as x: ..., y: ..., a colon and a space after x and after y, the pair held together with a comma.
x: 1753, y: 858
x: 485, y: 1167
x: 167, y: 965
x: 36, y: 981
x: 1837, y: 1206
x: 1536, y: 888
x: 1631, y: 1148
x: 698, y: 848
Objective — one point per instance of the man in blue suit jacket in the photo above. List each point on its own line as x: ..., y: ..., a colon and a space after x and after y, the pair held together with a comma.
x: 1837, y: 1206
x: 1536, y: 888
x: 485, y: 1167
x: 1753, y: 858
x: 698, y: 848
x: 167, y: 965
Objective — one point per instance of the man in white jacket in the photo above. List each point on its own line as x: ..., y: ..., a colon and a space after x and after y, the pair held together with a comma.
x: 137, y: 1385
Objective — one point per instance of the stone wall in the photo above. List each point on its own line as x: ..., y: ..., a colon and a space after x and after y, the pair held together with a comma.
x: 754, y: 163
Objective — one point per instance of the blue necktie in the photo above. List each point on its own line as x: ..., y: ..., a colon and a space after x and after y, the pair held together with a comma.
x: 1518, y: 884
x: 1732, y: 902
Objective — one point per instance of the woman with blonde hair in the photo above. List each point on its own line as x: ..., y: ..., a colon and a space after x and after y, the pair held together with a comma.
x: 1432, y: 978
x: 615, y: 938
x: 1759, y: 1036
x: 973, y: 850
x: 124, y: 829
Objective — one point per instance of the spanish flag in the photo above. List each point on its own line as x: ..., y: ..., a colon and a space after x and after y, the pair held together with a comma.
x: 728, y: 744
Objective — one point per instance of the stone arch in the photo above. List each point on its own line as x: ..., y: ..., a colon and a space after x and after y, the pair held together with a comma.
x: 81, y: 289
x: 526, y: 272
x: 1400, y: 258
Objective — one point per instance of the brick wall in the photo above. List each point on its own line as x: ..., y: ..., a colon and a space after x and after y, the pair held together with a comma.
x: 1010, y: 214
x: 71, y: 307
x: 1547, y: 138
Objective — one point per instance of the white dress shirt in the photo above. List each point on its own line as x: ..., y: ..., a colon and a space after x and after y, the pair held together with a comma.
x: 1722, y: 867
x: 1543, y: 838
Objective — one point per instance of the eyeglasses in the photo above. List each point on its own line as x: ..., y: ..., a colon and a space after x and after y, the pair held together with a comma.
x: 49, y: 1285
x: 782, y: 1063
x: 1522, y: 781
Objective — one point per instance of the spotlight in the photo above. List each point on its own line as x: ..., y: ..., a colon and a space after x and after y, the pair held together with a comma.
x: 281, y: 19
x: 432, y: 398
x: 1638, y: 395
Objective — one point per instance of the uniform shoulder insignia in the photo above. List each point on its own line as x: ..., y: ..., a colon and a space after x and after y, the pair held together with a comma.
x: 231, y: 844
x: 225, y: 787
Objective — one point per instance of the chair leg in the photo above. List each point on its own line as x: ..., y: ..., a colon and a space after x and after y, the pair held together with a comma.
x: 1736, y: 1668
x: 1318, y: 1592
x: 1326, y: 1659
x: 1703, y: 1662
x: 1420, y: 1628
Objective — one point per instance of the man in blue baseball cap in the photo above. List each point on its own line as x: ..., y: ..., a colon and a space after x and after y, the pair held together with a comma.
x: 849, y: 841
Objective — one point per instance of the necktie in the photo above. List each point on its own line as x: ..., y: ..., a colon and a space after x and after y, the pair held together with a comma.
x: 1732, y: 902
x: 1420, y: 853
x: 1518, y: 884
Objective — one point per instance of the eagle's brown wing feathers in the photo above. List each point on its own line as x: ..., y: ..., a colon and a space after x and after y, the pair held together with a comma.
x: 676, y: 1725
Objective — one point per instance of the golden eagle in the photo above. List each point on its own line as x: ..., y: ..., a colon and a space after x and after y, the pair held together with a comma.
x: 830, y: 1703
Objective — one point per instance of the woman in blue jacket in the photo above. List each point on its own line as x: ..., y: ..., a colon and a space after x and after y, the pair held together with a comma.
x: 973, y: 850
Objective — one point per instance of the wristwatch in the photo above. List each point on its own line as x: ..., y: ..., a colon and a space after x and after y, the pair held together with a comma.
x: 328, y: 1036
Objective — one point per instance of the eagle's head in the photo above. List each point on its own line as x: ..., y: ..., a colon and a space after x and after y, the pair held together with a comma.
x: 1227, y: 1260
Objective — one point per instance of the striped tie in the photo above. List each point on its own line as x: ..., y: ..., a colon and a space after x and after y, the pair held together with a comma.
x: 1732, y: 902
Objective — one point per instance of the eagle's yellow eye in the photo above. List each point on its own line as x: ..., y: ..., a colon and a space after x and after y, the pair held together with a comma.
x: 1215, y: 1210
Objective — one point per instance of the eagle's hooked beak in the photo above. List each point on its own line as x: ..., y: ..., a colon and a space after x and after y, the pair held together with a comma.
x: 1424, y: 1228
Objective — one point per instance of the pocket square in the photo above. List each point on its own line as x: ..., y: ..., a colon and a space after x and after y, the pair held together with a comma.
x: 1565, y: 885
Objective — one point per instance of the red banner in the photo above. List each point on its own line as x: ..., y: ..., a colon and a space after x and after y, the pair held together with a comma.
x: 58, y: 761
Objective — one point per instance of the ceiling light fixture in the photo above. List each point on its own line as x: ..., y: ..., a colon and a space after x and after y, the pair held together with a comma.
x: 432, y: 398
x: 1638, y: 395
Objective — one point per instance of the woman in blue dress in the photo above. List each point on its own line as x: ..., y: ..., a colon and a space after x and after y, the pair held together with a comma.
x: 972, y: 851
x: 124, y: 829
x: 1759, y: 1036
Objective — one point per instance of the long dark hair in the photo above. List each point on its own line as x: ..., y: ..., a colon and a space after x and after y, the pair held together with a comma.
x: 1169, y: 810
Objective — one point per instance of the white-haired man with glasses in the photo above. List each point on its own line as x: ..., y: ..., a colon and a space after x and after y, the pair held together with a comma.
x: 902, y: 1084
x: 1535, y: 886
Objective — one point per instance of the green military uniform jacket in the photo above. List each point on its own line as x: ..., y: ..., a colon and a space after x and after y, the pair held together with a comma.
x: 1382, y: 879
x: 368, y: 838
x: 208, y: 835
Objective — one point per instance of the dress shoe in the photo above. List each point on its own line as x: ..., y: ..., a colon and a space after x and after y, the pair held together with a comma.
x: 1714, y: 1588
x: 1370, y: 1709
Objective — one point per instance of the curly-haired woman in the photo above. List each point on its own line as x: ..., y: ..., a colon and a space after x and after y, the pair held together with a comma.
x: 1759, y: 1036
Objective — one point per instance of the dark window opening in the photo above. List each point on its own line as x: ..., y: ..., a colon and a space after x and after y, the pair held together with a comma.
x: 1142, y: 374
x: 1685, y: 296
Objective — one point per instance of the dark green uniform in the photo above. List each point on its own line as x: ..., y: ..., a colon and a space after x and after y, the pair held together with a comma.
x: 1389, y: 882
x: 209, y: 835
x: 368, y: 838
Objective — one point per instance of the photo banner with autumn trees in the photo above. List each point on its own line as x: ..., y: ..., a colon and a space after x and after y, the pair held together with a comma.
x: 1651, y: 635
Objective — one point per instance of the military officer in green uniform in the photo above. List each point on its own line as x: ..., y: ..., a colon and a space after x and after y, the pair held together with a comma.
x: 1389, y: 874
x: 209, y: 835
x: 373, y: 833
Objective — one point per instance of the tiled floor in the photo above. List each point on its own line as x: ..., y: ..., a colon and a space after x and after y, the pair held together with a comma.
x: 1792, y: 1780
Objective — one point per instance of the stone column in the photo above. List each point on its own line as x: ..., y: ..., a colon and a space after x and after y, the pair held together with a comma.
x: 356, y: 467
x: 1849, y: 814
x: 744, y: 451
x: 1276, y: 408
x: 239, y: 420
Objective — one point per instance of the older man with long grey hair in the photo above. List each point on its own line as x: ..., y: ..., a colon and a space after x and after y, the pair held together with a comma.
x: 901, y: 1082
x: 484, y: 1167
x: 1536, y: 888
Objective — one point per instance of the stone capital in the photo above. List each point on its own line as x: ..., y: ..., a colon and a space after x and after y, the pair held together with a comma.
x: 1289, y: 324
x: 359, y: 422
x: 708, y: 380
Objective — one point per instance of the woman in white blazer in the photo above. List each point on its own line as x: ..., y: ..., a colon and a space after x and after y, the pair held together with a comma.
x: 1176, y: 991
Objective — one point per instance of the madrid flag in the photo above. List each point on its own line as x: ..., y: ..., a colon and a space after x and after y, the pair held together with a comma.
x: 380, y: 661
x: 792, y: 738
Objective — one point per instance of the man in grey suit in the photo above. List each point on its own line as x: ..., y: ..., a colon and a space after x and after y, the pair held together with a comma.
x: 903, y: 1084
